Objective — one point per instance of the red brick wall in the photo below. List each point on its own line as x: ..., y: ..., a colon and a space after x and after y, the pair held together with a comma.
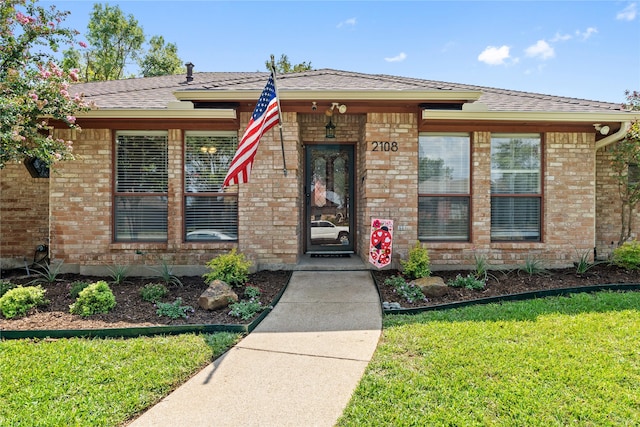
x: 24, y: 215
x: 271, y: 222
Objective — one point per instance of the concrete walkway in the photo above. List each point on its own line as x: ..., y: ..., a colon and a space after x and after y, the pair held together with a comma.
x: 299, y: 367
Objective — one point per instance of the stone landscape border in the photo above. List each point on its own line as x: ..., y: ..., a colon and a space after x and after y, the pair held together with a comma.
x: 145, y: 330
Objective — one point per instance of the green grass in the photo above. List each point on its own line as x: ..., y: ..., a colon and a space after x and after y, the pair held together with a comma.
x: 563, y: 361
x: 96, y: 382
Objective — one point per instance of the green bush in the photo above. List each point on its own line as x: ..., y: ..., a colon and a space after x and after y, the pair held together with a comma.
x: 154, y: 292
x: 174, y: 309
x: 19, y: 300
x: 470, y: 281
x: 5, y: 286
x: 231, y: 268
x: 627, y: 255
x: 408, y: 291
x: 245, y: 309
x: 417, y: 266
x: 77, y: 287
x: 95, y: 298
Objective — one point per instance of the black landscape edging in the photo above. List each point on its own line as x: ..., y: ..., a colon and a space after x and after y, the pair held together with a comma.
x: 515, y: 297
x: 145, y: 330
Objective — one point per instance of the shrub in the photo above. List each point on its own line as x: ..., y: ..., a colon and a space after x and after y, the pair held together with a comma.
x: 470, y: 281
x: 417, y: 266
x: 19, y: 300
x: 95, y: 298
x: 5, y: 286
x: 533, y: 266
x: 153, y: 292
x: 408, y: 291
x: 252, y: 292
x: 245, y: 309
x: 165, y: 273
x: 48, y: 274
x: 231, y: 268
x: 627, y: 255
x: 118, y: 274
x: 77, y: 287
x: 174, y: 309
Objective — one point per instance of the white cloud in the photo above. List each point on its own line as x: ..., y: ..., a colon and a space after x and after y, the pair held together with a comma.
x: 629, y: 13
x: 541, y: 50
x: 561, y: 38
x: 351, y: 22
x: 494, y: 55
x: 398, y: 58
x: 587, y: 33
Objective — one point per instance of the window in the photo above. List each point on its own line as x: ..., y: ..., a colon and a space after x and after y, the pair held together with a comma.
x: 140, y: 199
x: 516, y: 194
x: 211, y: 211
x: 443, y: 187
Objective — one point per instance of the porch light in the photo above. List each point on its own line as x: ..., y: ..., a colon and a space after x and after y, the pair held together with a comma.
x: 330, y: 129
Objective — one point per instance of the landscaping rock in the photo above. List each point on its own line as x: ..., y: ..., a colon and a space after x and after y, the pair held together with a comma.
x: 432, y: 287
x: 217, y: 295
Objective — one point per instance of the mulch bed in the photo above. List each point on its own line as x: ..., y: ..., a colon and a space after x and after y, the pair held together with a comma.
x: 512, y: 282
x: 132, y: 311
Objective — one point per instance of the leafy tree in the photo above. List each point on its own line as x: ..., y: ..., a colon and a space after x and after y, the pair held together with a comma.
x: 114, y: 40
x: 161, y: 59
x: 33, y: 88
x: 625, y: 162
x: 283, y: 65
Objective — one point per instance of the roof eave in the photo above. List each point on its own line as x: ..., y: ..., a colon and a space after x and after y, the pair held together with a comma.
x: 585, y: 117
x: 170, y: 113
x: 330, y: 95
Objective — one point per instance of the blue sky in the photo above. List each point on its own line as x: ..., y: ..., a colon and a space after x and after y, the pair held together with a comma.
x: 581, y: 49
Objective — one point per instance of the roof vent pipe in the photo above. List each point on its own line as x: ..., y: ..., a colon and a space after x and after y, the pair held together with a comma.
x: 189, y: 66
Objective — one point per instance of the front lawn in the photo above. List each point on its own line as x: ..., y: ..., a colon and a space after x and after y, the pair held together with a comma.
x: 96, y: 382
x: 547, y: 362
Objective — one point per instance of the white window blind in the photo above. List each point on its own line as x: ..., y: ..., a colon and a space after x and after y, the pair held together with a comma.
x: 516, y: 193
x: 211, y: 211
x: 444, y: 186
x: 140, y: 199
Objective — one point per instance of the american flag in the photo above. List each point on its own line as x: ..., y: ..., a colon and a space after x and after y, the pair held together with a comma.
x: 264, y: 117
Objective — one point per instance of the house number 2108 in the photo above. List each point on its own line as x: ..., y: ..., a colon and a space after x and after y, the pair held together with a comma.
x: 384, y: 146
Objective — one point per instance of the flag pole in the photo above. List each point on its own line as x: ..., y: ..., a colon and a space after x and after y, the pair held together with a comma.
x: 275, y: 85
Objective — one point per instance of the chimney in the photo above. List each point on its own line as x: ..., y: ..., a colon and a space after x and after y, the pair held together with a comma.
x: 189, y: 72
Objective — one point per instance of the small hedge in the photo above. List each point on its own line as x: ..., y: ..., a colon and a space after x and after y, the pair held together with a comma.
x: 17, y: 301
x: 94, y: 299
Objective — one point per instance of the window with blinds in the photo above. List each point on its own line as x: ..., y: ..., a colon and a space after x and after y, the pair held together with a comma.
x: 444, y: 187
x: 516, y: 189
x: 140, y: 197
x: 211, y: 211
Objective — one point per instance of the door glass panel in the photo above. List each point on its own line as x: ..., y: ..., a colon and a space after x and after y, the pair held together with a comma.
x: 329, y: 183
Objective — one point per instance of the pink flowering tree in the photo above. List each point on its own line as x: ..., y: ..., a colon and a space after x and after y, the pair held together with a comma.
x: 34, y: 90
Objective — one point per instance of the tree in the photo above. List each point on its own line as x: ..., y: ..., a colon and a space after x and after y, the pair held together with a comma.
x: 114, y: 39
x: 33, y: 88
x: 161, y: 59
x: 625, y: 162
x: 283, y: 65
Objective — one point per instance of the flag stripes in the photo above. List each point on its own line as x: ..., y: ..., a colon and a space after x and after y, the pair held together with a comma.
x: 265, y: 116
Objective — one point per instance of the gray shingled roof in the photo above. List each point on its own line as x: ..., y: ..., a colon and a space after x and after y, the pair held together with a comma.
x: 157, y: 92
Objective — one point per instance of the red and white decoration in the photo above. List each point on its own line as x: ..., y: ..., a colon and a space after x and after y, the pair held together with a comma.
x: 381, y: 242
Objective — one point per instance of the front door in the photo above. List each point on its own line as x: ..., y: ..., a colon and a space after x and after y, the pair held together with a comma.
x: 329, y: 199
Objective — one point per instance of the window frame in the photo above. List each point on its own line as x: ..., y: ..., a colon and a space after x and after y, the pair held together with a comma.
x: 538, y: 196
x: 230, y: 192
x: 117, y: 195
x: 468, y: 195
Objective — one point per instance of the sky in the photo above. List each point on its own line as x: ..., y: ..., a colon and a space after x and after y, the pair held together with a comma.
x: 580, y: 49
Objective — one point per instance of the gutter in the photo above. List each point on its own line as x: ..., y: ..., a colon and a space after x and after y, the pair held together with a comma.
x: 624, y: 128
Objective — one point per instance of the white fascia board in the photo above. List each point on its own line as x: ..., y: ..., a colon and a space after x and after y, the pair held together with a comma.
x: 587, y: 117
x: 159, y: 114
x: 323, y: 95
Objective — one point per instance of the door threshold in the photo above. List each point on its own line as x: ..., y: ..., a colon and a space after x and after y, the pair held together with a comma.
x: 330, y: 254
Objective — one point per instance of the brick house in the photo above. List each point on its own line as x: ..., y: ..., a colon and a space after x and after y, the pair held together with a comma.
x: 463, y: 169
